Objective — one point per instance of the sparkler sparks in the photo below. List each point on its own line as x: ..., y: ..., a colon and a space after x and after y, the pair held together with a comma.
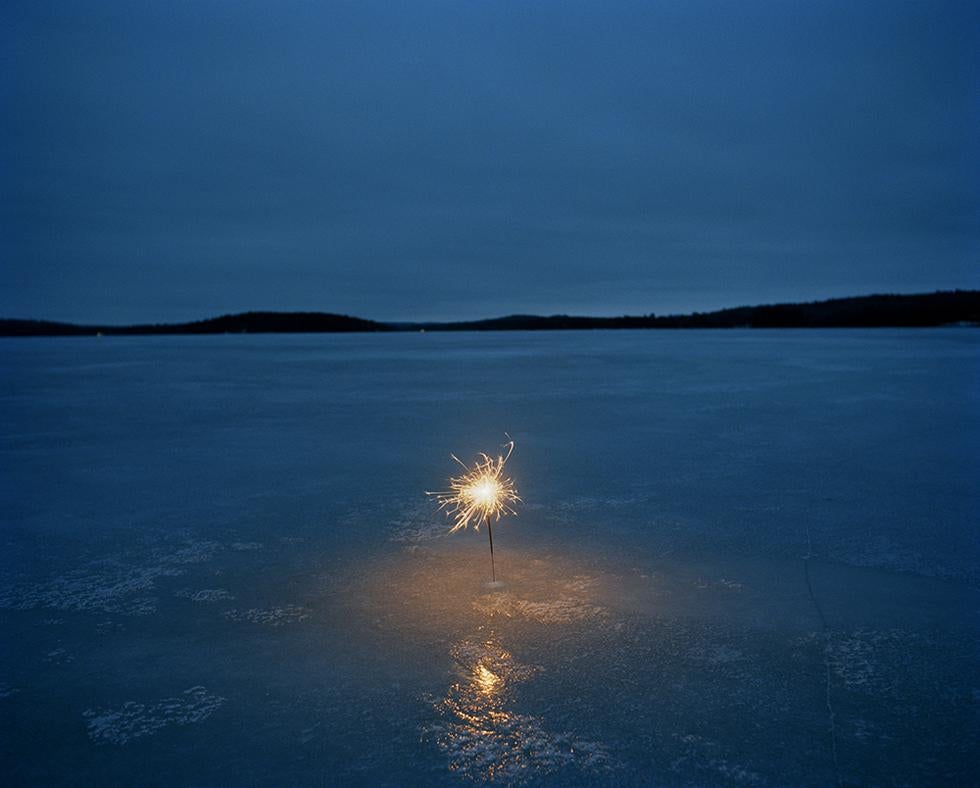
x: 483, y: 493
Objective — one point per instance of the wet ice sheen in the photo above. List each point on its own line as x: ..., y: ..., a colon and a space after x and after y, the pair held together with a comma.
x: 743, y: 558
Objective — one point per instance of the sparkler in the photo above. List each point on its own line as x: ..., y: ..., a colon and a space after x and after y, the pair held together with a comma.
x: 481, y: 494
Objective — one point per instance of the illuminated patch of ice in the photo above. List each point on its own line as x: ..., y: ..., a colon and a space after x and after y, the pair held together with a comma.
x: 273, y: 616
x: 582, y: 584
x: 556, y: 611
x: 133, y: 720
x: 574, y: 604
x: 484, y: 740
x: 246, y: 546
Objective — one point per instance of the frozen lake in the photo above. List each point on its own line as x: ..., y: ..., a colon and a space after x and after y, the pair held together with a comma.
x: 743, y: 557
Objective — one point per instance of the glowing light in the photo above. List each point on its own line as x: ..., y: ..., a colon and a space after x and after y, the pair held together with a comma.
x: 485, y: 681
x: 481, y: 493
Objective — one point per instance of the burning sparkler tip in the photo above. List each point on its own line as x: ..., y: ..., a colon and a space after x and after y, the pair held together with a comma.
x: 482, y: 493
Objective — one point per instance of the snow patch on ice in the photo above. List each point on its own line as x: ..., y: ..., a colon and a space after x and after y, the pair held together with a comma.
x: 580, y: 503
x: 728, y: 585
x: 134, y: 720
x: 107, y: 626
x: 705, y: 755
x: 862, y: 658
x: 716, y: 654
x: 881, y: 552
x: 864, y: 730
x: 59, y: 656
x: 6, y: 691
x: 193, y: 551
x: 204, y: 595
x: 113, y: 585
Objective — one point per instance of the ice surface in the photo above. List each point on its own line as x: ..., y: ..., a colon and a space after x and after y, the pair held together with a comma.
x: 133, y: 720
x: 743, y: 558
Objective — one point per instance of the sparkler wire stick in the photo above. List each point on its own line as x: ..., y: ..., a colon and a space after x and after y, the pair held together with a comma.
x: 493, y: 569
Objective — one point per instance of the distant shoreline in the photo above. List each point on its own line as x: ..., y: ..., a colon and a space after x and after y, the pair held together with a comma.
x: 925, y: 310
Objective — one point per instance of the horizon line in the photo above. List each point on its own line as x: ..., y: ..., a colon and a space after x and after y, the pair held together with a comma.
x: 509, y: 315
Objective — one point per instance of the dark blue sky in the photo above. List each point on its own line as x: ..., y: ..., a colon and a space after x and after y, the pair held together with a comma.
x: 398, y: 160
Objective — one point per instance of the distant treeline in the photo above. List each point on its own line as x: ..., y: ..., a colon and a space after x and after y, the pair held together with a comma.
x: 874, y: 311
x: 954, y: 307
x: 244, y: 323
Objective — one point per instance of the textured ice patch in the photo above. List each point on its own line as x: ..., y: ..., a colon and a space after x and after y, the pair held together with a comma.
x: 193, y: 551
x: 113, y: 585
x: 59, y: 656
x: 246, y: 546
x: 704, y: 755
x: 575, y: 509
x: 581, y: 503
x: 417, y: 524
x: 865, y: 659
x: 880, y: 551
x: 107, y: 626
x: 716, y: 654
x: 863, y: 730
x: 133, y: 720
x: 110, y: 589
x: 273, y: 616
x: 204, y: 595
x: 6, y: 691
x: 724, y: 583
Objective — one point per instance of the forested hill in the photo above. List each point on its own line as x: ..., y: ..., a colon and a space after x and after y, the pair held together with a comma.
x: 875, y: 311
x: 243, y: 323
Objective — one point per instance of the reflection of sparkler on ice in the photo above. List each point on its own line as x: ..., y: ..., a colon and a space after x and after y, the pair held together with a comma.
x: 482, y: 493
